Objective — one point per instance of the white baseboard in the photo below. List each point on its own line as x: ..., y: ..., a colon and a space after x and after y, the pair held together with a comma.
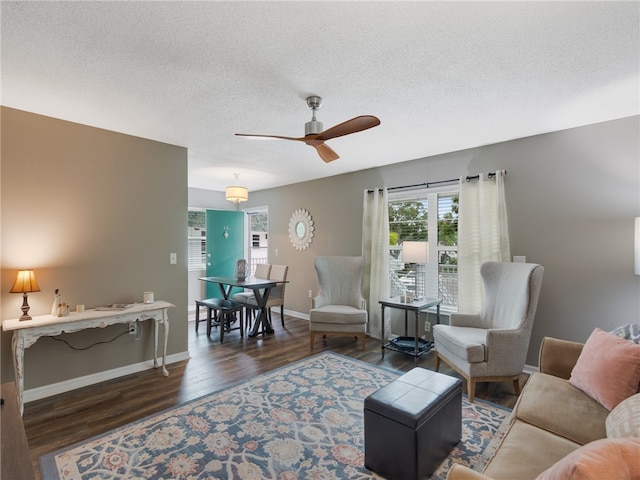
x: 529, y: 369
x: 303, y: 316
x: 74, y: 383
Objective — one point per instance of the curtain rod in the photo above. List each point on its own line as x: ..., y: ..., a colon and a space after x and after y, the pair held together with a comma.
x: 440, y: 182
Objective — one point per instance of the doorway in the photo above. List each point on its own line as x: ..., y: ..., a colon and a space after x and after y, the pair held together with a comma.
x: 256, y: 236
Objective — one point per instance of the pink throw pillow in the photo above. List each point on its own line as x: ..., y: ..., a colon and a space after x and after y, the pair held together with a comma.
x: 608, y: 369
x: 607, y: 458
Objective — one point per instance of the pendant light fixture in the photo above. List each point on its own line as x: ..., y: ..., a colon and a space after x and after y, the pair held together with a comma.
x: 236, y: 193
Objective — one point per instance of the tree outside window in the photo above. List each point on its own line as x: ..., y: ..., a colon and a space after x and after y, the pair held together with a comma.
x: 409, y: 220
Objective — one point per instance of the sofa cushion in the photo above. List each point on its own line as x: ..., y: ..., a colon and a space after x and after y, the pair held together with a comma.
x: 608, y: 368
x: 553, y: 404
x: 624, y: 420
x: 606, y: 458
x: 526, y: 451
x: 630, y: 331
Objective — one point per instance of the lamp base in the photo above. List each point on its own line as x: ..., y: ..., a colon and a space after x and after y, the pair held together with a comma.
x: 25, y: 309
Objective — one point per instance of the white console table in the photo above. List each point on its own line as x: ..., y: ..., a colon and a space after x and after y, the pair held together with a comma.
x: 27, y: 332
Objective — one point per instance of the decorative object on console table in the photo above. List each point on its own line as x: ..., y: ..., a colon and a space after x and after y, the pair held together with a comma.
x: 418, y: 254
x: 57, y: 300
x: 25, y: 283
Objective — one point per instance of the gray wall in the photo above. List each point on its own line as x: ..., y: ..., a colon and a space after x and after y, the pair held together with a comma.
x: 95, y: 213
x: 104, y: 210
x: 571, y: 198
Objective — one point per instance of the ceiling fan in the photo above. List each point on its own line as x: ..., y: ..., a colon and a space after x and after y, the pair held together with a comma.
x: 315, y: 136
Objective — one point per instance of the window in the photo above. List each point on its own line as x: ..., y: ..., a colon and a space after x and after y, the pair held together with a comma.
x: 426, y: 216
x: 197, y: 239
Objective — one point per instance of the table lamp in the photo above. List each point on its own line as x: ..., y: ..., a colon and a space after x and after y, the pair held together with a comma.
x: 25, y: 283
x: 418, y: 254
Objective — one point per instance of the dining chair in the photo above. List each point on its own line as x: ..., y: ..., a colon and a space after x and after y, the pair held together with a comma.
x: 276, y: 295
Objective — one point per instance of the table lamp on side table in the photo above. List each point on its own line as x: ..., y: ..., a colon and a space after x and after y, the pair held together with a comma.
x: 25, y: 283
x: 418, y: 254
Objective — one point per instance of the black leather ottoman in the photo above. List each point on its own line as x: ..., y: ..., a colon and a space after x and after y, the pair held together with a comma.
x: 412, y: 424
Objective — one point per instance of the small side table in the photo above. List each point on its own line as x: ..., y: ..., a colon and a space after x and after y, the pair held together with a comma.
x: 420, y: 347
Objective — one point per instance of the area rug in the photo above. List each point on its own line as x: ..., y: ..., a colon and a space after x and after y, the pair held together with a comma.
x: 302, y: 421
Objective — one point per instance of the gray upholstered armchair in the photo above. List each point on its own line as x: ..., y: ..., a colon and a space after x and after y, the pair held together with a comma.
x: 339, y: 308
x: 492, y: 345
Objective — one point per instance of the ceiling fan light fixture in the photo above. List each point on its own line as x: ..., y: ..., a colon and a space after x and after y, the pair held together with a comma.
x: 236, y: 193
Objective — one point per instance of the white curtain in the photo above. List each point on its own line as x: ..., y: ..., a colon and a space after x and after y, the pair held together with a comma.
x: 375, y: 250
x: 483, y: 234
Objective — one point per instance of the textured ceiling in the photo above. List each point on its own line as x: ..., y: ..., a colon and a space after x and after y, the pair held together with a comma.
x: 441, y: 76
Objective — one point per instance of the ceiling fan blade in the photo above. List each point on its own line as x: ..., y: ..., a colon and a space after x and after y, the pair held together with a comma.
x: 357, y: 124
x: 325, y: 152
x: 269, y: 136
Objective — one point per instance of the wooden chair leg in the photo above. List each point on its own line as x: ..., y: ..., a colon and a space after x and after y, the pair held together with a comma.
x: 516, y: 385
x: 197, y: 316
x: 471, y: 389
x: 282, y: 315
x: 437, y: 362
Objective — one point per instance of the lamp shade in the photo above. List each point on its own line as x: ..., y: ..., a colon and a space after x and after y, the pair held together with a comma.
x: 415, y: 252
x: 236, y: 194
x: 25, y: 283
x: 636, y: 248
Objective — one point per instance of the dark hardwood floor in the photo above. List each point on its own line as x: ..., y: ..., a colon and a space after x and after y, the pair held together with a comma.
x: 61, y: 420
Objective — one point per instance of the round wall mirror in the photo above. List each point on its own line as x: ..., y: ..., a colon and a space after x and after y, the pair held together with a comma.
x: 300, y: 229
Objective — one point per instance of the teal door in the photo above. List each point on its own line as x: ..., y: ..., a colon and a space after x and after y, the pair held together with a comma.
x: 225, y: 245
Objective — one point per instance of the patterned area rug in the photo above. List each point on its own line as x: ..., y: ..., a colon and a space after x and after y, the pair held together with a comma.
x: 303, y: 421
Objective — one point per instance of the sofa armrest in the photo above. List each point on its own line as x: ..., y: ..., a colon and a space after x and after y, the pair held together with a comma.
x: 558, y: 357
x: 460, y: 472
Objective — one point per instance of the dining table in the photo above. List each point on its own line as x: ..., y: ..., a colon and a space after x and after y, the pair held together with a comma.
x: 261, y: 288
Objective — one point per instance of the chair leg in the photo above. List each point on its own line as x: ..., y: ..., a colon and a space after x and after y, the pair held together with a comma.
x: 471, y: 389
x: 437, y: 362
x: 282, y: 315
x: 197, y: 316
x: 209, y: 319
x: 364, y: 340
x: 516, y: 385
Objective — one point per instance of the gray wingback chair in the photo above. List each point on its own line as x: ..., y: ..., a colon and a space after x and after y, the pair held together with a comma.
x: 339, y: 308
x: 492, y: 345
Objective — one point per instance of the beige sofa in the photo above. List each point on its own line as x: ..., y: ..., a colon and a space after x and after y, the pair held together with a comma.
x: 550, y: 420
